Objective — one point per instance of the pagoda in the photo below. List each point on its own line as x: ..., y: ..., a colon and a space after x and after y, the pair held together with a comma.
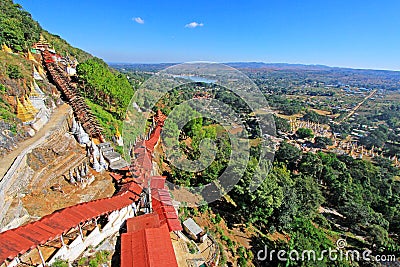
x: 31, y: 57
x: 5, y: 48
x: 22, y: 113
x: 118, y: 138
x: 42, y: 44
x: 35, y: 90
x: 36, y: 74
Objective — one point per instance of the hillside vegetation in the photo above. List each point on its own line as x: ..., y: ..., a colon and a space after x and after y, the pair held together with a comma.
x: 107, y: 91
x: 65, y: 49
x: 17, y: 28
x: 306, y: 201
x: 105, y: 86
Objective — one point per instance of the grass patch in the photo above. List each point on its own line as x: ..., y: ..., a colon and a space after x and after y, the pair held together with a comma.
x: 6, y: 111
x: 107, y: 121
x: 24, y: 65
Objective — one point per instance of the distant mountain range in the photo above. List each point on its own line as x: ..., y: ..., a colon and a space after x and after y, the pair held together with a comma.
x: 249, y: 65
x: 260, y: 65
x: 365, y: 78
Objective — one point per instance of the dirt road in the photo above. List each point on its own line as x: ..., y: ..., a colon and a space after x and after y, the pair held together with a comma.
x: 56, y: 118
x: 358, y: 106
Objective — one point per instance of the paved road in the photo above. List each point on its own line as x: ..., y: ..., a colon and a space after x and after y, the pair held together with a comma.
x: 55, y: 119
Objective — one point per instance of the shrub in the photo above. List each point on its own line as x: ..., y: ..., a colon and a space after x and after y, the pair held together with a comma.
x: 192, y: 248
x: 218, y: 218
x: 14, y: 72
x: 82, y: 261
x: 60, y: 263
x: 93, y: 263
x: 305, y: 133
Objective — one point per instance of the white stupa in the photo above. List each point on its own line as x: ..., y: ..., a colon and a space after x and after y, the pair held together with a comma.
x: 96, y: 165
x: 102, y: 161
x: 82, y: 136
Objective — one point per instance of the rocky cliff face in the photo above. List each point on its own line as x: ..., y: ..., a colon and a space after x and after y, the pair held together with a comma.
x: 9, y: 137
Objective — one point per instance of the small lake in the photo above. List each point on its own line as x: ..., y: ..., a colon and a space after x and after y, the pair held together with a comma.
x: 196, y: 79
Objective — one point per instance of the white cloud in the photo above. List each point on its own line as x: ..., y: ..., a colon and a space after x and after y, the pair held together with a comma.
x: 138, y: 20
x: 194, y: 25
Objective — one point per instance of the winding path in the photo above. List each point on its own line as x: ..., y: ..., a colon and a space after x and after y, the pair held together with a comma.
x: 25, y: 146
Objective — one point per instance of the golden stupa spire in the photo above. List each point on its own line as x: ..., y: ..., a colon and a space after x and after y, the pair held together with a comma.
x: 31, y: 57
x: 5, y: 48
x: 36, y: 74
x: 22, y: 113
x: 41, y: 71
x: 42, y: 39
x: 117, y: 134
x: 29, y: 106
x: 35, y: 90
x: 119, y: 140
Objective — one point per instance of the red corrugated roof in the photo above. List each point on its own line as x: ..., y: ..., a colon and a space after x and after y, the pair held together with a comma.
x: 157, y: 182
x: 18, y: 241
x: 132, y: 187
x: 162, y: 204
x: 151, y: 247
x: 142, y: 222
x: 160, y: 118
x: 116, y: 176
x: 144, y: 161
x: 153, y: 138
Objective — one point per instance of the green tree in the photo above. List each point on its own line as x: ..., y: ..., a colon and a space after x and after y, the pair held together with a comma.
x: 311, y: 164
x: 60, y: 263
x: 288, y: 153
x: 104, y: 86
x: 17, y: 28
x: 281, y: 124
x: 14, y: 72
x: 309, y: 195
x: 304, y: 133
x: 322, y: 141
x: 315, y: 117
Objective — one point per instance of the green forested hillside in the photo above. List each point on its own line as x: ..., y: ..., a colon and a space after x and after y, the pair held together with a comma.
x: 306, y: 201
x: 104, y: 86
x: 17, y: 28
x: 107, y: 91
x: 63, y: 48
x: 19, y: 31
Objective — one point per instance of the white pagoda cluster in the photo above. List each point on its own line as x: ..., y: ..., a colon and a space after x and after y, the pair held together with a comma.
x: 80, y: 134
x: 81, y: 175
x: 95, y: 153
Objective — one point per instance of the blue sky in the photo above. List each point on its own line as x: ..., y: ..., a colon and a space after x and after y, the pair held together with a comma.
x: 346, y: 33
